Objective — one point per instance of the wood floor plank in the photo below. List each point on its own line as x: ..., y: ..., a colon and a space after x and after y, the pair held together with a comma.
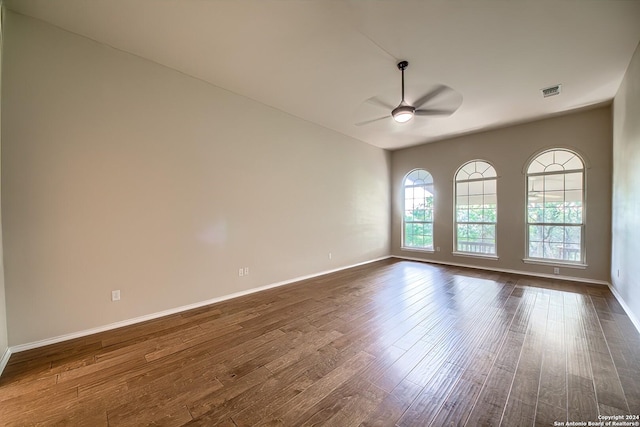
x: 388, y: 343
x: 393, y: 406
x: 581, y: 400
x: 426, y: 406
x: 347, y: 405
x: 296, y: 407
x: 608, y: 388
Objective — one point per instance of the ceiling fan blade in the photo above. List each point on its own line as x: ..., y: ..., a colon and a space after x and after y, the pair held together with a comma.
x: 433, y: 112
x: 366, y: 122
x: 380, y: 103
x: 429, y: 96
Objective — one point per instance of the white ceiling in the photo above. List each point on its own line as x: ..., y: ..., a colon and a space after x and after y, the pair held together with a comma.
x: 320, y: 60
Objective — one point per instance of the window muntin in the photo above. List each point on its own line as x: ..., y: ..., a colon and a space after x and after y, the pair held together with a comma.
x: 476, y: 210
x: 555, y: 207
x: 417, y: 224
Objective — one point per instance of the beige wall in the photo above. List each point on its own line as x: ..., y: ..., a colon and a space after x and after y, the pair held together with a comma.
x: 625, y: 268
x: 118, y: 173
x: 4, y: 342
x: 509, y: 149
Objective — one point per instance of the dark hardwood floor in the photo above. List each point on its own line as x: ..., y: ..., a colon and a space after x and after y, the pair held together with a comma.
x: 389, y: 343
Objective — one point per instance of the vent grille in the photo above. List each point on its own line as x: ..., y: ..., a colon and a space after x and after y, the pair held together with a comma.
x: 551, y: 91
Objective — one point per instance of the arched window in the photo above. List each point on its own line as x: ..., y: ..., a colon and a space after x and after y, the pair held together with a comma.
x: 476, y: 209
x: 555, y: 207
x: 417, y: 224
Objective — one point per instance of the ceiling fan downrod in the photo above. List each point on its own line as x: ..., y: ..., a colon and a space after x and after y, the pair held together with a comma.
x: 402, y: 65
x: 403, y: 112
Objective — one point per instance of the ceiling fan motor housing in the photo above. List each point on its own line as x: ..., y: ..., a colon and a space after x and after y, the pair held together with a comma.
x: 403, y: 113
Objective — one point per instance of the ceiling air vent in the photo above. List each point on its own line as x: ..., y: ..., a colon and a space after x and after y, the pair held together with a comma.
x: 551, y: 91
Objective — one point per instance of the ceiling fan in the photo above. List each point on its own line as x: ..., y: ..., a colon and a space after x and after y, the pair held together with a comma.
x: 405, y: 111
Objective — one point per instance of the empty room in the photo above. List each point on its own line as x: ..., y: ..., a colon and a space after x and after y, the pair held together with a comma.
x: 320, y: 212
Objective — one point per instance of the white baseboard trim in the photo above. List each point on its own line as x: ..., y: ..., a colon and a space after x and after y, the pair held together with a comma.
x: 128, y: 322
x: 5, y: 359
x: 505, y: 270
x: 626, y: 308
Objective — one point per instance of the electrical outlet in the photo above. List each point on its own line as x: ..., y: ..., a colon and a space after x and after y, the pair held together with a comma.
x: 438, y: 249
x: 246, y: 271
x: 556, y: 270
x: 115, y: 295
x: 240, y: 272
x: 330, y: 256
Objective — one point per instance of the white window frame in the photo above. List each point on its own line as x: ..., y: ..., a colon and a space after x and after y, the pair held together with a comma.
x: 486, y: 174
x: 428, y: 186
x: 530, y: 191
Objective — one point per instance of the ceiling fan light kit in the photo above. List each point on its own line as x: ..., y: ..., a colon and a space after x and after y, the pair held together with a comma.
x: 403, y: 113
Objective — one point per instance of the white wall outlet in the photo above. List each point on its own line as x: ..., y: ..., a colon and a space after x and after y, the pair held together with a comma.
x: 330, y: 256
x: 437, y: 248
x: 556, y: 270
x: 115, y: 295
x: 246, y: 271
x: 240, y: 272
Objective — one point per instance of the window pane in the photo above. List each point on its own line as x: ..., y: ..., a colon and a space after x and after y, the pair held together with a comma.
x: 573, y: 214
x: 462, y: 215
x: 554, y: 196
x: 571, y: 252
x: 535, y: 233
x: 475, y: 214
x: 490, y: 199
x: 535, y: 183
x: 573, y: 196
x: 562, y: 157
x: 408, y: 215
x: 554, y: 234
x: 462, y: 188
x: 489, y: 214
x: 490, y: 186
x: 535, y: 213
x: 469, y: 168
x: 574, y: 163
x: 553, y: 183
x: 476, y: 187
x: 477, y: 200
x: 419, y: 215
x: 553, y: 212
x: 489, y: 232
x: 487, y: 170
x: 535, y: 167
x: 428, y: 215
x: 573, y: 181
x: 545, y: 159
x: 573, y: 235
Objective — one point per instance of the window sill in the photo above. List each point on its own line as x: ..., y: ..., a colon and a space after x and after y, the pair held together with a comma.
x: 412, y: 249
x: 553, y: 263
x: 471, y: 255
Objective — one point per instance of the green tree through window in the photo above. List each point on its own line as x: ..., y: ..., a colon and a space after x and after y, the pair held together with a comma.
x: 418, y: 210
